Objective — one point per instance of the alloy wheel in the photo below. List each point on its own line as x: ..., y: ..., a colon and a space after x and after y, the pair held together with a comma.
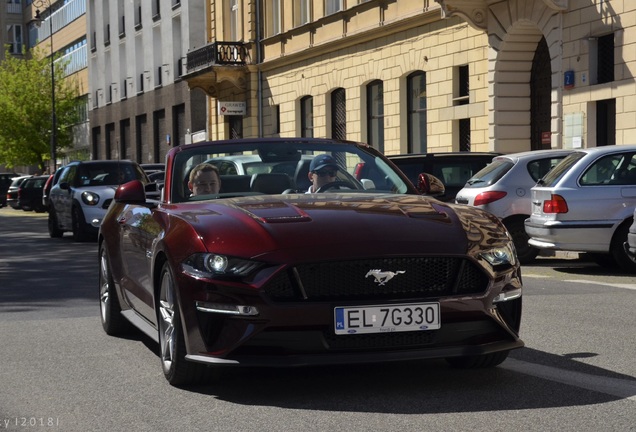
x: 166, y: 322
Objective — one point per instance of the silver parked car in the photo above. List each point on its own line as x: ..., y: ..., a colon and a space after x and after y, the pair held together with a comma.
x: 586, y: 204
x: 503, y: 189
x: 630, y: 244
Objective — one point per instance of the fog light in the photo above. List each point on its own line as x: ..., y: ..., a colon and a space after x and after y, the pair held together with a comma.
x: 227, y: 309
x: 507, y: 296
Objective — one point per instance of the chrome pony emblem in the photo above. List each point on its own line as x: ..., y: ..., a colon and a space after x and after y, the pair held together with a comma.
x: 382, y: 277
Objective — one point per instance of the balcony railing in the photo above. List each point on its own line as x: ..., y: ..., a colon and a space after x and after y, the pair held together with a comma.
x: 75, y: 60
x: 62, y: 17
x: 217, y: 53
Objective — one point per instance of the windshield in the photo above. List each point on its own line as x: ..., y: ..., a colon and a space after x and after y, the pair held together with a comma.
x: 282, y: 166
x: 490, y: 174
x: 109, y: 174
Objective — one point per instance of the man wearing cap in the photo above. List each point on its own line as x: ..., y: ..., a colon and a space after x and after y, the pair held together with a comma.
x: 322, y: 170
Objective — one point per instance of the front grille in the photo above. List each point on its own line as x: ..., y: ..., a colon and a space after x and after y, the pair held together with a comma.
x: 414, y: 277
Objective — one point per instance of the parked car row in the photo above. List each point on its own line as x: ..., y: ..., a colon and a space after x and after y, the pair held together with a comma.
x: 11, y: 197
x: 24, y: 192
x: 5, y: 182
x: 586, y: 204
x: 580, y: 200
x: 503, y: 189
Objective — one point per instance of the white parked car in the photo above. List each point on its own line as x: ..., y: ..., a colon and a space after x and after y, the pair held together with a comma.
x: 586, y: 204
x: 503, y: 189
x: 79, y: 200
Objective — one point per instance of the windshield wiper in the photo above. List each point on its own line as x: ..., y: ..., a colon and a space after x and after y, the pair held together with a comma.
x: 473, y: 181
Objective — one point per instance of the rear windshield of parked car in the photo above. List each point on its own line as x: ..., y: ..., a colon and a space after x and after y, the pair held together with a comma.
x: 555, y: 174
x: 490, y: 174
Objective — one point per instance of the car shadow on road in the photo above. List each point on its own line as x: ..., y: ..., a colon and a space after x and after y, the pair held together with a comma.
x: 409, y: 387
x: 414, y: 387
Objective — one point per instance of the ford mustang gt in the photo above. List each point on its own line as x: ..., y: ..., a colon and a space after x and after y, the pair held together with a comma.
x: 262, y: 273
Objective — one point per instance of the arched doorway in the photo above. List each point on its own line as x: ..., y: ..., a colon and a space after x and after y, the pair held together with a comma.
x: 540, y: 98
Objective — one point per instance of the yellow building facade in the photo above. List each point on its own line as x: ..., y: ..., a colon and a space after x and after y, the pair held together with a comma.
x: 424, y: 75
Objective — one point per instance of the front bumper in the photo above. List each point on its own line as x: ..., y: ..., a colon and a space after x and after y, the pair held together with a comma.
x: 302, y: 333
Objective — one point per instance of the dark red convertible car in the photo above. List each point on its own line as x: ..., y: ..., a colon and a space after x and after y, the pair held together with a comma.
x: 263, y: 273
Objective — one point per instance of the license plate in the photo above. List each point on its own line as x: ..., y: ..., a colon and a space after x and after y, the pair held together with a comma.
x: 387, y: 318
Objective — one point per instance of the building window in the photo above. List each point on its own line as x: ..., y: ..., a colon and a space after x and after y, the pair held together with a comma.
x: 605, y: 66
x: 416, y: 121
x: 141, y: 132
x: 302, y: 12
x: 461, y: 85
x: 124, y: 139
x: 178, y: 124
x: 82, y: 109
x: 276, y: 119
x: 234, y: 20
x: 138, y: 14
x: 339, y: 114
x: 464, y: 135
x: 272, y: 17
x: 14, y: 38
x: 307, y: 117
x: 156, y: 10
x: 375, y: 115
x: 606, y: 122
x: 110, y: 138
x: 332, y: 6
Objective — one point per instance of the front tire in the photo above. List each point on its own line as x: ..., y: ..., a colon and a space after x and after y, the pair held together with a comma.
x: 79, y: 226
x: 177, y: 370
x: 113, y: 321
x: 478, y: 361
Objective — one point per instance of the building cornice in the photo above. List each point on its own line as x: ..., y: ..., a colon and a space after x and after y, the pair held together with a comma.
x: 475, y: 12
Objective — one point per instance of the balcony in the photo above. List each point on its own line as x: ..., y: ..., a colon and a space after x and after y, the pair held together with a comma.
x: 209, y: 66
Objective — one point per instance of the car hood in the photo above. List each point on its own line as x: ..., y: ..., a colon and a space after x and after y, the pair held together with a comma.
x: 336, y: 226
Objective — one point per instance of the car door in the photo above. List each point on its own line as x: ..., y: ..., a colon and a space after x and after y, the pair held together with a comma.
x: 65, y: 198
x: 59, y: 196
x: 137, y: 232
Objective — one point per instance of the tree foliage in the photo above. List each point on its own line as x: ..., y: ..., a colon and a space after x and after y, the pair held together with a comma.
x: 25, y: 108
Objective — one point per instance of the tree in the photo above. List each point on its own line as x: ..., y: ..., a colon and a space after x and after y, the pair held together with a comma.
x: 25, y: 108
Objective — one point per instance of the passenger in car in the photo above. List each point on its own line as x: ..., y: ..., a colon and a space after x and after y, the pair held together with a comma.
x: 204, y: 180
x: 322, y: 170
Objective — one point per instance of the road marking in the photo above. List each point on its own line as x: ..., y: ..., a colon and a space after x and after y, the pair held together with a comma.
x: 622, y: 388
x: 615, y: 285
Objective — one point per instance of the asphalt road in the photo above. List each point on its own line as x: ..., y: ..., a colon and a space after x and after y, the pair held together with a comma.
x: 59, y: 371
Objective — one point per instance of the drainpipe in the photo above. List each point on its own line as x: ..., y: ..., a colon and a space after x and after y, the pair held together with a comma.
x: 259, y: 85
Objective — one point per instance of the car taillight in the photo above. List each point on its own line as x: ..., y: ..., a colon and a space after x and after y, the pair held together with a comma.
x: 488, y: 197
x: 556, y: 204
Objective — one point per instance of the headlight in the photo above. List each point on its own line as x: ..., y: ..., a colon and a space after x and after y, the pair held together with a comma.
x: 501, y: 256
x: 211, y: 265
x: 90, y: 198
